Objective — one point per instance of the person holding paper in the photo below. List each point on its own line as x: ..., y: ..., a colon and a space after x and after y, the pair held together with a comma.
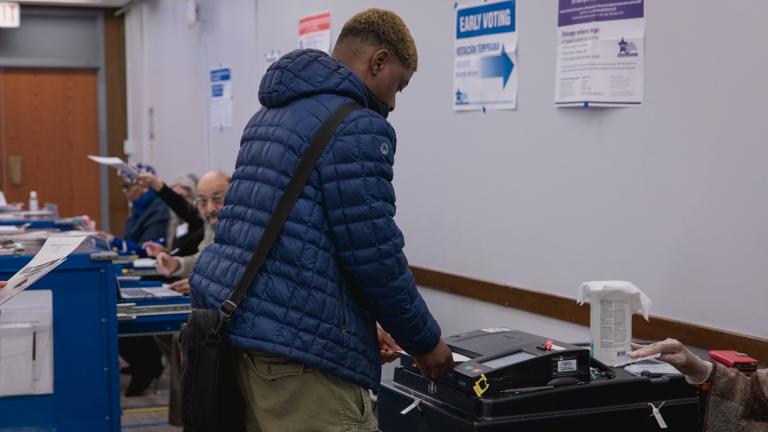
x: 148, y: 220
x: 735, y: 402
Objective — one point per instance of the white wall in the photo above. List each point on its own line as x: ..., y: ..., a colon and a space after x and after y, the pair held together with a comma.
x: 671, y: 196
x: 168, y: 73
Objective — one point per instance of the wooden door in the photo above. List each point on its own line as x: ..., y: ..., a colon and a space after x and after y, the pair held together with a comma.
x: 49, y: 121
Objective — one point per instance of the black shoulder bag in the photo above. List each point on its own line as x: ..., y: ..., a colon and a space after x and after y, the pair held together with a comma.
x: 211, y: 397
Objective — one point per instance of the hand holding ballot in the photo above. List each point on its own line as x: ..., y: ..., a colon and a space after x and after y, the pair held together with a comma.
x: 675, y: 353
x: 53, y: 252
x: 388, y: 348
x: 150, y: 180
x: 154, y: 249
x: 180, y: 286
x: 114, y: 162
x: 167, y: 264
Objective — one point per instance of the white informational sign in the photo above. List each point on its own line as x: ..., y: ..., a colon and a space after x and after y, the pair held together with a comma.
x: 600, y: 53
x: 114, y: 162
x: 485, y: 63
x: 272, y: 56
x: 10, y: 15
x: 315, y: 32
x: 53, y: 252
x: 221, y: 97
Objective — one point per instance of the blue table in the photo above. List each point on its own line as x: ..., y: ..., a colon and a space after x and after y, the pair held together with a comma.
x: 85, y: 359
x: 40, y: 222
x: 33, y: 224
x: 150, y: 315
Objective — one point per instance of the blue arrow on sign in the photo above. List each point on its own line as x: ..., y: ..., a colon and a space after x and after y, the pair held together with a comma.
x: 497, y: 66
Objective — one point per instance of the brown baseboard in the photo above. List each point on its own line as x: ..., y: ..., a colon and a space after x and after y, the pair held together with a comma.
x: 566, y: 309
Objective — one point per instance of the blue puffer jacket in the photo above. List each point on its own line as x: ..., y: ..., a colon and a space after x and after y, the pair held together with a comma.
x: 300, y: 306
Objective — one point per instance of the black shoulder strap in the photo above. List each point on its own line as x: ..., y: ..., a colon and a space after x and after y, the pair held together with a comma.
x: 292, y: 192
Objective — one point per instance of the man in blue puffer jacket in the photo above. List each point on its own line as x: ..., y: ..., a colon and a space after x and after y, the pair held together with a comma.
x: 308, y: 349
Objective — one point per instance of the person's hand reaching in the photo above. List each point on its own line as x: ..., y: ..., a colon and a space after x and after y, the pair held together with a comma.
x: 150, y: 180
x: 676, y: 354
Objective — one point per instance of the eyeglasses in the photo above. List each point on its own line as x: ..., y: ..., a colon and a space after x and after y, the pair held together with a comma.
x: 216, y: 200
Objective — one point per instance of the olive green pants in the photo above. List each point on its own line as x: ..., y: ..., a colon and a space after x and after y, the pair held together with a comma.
x: 286, y: 396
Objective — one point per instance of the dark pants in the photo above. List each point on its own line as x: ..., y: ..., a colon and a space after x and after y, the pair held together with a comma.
x: 142, y: 354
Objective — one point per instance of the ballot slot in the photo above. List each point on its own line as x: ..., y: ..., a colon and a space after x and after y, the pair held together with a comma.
x: 500, y: 359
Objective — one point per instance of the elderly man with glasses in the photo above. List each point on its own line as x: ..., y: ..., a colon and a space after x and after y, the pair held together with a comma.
x: 210, y: 200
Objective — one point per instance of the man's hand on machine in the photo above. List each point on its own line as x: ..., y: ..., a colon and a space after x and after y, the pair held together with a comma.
x: 2, y: 284
x: 435, y: 363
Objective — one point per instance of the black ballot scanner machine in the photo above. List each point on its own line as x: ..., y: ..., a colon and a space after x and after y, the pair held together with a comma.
x: 508, y: 380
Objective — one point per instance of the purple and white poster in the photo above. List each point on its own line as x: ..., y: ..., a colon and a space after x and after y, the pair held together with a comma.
x: 600, y: 53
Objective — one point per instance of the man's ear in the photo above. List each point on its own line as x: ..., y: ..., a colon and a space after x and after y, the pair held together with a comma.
x: 379, y: 59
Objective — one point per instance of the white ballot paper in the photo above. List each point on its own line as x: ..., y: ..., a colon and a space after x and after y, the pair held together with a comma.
x: 115, y: 163
x: 149, y: 292
x: 13, y: 229
x: 53, y: 252
x: 144, y: 263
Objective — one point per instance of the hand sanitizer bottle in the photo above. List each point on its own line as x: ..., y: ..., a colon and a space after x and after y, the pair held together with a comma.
x: 33, y: 204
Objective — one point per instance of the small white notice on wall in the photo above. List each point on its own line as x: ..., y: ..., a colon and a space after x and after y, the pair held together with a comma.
x: 315, y: 32
x: 10, y: 16
x: 270, y: 57
x: 221, y: 97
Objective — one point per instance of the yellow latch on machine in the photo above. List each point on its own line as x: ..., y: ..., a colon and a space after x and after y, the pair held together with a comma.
x: 481, y: 385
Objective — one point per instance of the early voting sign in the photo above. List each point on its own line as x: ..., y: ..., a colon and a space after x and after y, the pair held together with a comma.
x: 600, y: 53
x: 485, y: 64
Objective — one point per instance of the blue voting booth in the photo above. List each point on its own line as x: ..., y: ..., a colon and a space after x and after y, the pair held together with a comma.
x: 87, y: 317
x: 84, y: 345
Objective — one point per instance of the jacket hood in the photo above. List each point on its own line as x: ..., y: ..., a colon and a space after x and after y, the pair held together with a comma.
x: 304, y: 73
